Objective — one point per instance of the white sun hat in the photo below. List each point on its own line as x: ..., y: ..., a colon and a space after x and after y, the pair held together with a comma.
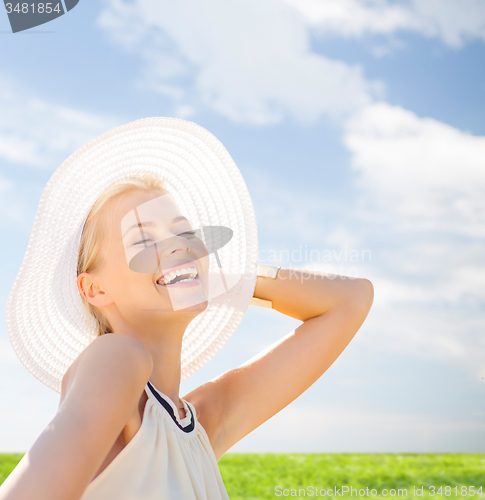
x: 46, y: 318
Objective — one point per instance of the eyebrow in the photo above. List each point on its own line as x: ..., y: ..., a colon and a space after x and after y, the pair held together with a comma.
x: 151, y: 224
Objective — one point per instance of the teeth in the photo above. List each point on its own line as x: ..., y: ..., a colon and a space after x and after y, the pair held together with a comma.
x: 167, y: 278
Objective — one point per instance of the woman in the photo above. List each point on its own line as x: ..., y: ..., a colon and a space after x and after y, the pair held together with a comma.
x: 162, y: 296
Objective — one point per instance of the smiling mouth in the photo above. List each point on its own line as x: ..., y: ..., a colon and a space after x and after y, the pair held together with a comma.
x: 179, y: 276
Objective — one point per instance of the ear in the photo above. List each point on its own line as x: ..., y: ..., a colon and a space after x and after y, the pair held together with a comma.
x: 89, y: 288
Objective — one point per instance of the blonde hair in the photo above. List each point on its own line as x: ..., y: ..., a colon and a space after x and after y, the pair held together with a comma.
x: 89, y: 258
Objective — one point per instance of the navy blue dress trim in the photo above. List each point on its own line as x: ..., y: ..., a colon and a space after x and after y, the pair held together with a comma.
x: 189, y: 427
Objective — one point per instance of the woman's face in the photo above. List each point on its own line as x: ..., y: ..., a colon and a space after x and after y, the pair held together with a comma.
x: 153, y: 266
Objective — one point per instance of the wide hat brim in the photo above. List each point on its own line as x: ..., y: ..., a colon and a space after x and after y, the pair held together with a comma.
x: 46, y: 319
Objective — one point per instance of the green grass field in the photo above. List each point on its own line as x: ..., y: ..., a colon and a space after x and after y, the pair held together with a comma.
x: 257, y: 476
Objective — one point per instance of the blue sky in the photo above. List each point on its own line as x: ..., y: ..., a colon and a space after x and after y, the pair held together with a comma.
x: 357, y: 125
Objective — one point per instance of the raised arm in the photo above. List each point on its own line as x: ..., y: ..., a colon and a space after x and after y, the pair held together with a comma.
x: 304, y: 294
x: 103, y: 393
x: 332, y: 309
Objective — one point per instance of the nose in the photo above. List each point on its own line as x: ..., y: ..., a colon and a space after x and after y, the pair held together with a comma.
x: 171, y: 245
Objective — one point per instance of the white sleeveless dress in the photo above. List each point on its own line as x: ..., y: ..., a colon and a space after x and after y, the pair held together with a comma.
x: 167, y: 459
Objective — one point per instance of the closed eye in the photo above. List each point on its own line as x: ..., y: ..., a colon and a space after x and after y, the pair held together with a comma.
x: 149, y: 239
x: 141, y: 241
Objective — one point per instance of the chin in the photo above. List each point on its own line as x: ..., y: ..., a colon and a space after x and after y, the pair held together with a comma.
x: 196, y: 309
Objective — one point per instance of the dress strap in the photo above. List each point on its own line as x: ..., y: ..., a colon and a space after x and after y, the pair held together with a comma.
x: 189, y: 427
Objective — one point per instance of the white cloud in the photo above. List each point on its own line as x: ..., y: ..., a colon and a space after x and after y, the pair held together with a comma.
x: 451, y: 336
x: 427, y: 174
x: 387, y: 48
x: 184, y: 111
x: 37, y: 133
x: 353, y: 17
x: 249, y: 61
x: 335, y: 428
x: 427, y: 264
x: 433, y: 318
x: 422, y: 191
x: 342, y: 236
x: 464, y: 283
x: 453, y: 21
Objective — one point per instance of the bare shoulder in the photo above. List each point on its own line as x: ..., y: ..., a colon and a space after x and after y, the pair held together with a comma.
x: 109, y: 348
x: 101, y: 393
